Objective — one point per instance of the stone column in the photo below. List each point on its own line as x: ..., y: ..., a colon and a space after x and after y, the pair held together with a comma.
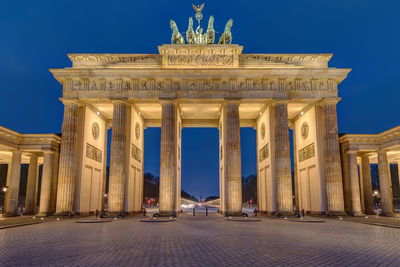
x: 296, y: 176
x: 367, y: 188
x: 68, y: 160
x: 11, y: 203
x: 103, y: 199
x: 232, y: 159
x: 168, y: 159
x: 31, y: 185
x: 118, y: 159
x: 354, y: 184
x: 45, y: 190
x: 283, y: 176
x: 333, y: 172
x: 385, y: 184
x: 54, y: 184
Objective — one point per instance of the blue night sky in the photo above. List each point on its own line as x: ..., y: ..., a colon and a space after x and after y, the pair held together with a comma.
x: 37, y: 35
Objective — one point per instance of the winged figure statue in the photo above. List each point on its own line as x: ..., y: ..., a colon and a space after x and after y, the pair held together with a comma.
x: 198, y: 9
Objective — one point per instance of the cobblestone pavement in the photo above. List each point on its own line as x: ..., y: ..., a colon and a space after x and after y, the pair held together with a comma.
x: 200, y: 241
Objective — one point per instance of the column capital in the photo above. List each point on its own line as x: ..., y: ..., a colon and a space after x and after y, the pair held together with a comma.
x: 120, y: 101
x: 17, y: 152
x: 327, y: 101
x: 71, y: 101
x: 382, y: 151
x: 363, y: 154
x: 168, y: 101
x: 279, y: 102
x: 228, y: 101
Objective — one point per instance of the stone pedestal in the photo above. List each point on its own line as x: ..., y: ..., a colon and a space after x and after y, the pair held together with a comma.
x: 283, y: 176
x: 354, y: 185
x: 331, y: 153
x: 11, y: 201
x: 31, y: 186
x: 168, y: 159
x: 232, y: 159
x: 118, y: 159
x: 385, y: 185
x: 45, y: 191
x: 367, y: 186
x: 68, y: 160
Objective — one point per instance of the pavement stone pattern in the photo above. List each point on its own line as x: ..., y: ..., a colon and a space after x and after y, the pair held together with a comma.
x: 200, y: 241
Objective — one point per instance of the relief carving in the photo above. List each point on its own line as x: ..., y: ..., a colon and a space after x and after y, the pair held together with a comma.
x: 93, y: 153
x: 126, y: 86
x: 76, y: 85
x: 264, y: 153
x: 200, y: 60
x: 94, y: 86
x: 307, y: 152
x: 136, y: 153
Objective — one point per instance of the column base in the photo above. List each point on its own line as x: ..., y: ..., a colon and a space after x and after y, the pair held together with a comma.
x: 336, y: 213
x: 11, y: 214
x: 357, y: 214
x: 117, y: 213
x: 233, y: 214
x: 391, y: 214
x: 167, y: 214
x: 43, y: 214
x: 64, y: 213
x: 284, y: 213
x: 370, y: 213
x: 29, y: 213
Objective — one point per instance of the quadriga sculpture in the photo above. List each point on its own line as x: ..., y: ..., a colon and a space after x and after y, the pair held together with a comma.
x: 190, y: 35
x: 226, y: 37
x: 176, y: 37
x: 210, y: 34
x: 197, y: 37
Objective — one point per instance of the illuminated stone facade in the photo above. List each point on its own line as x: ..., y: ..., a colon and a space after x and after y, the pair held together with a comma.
x: 200, y: 86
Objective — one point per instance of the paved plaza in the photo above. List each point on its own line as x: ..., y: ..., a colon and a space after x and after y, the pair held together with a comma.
x: 199, y: 241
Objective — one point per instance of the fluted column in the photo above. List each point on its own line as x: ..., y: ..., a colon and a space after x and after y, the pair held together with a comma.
x: 232, y: 157
x: 283, y: 176
x: 333, y: 173
x: 385, y: 184
x: 367, y: 188
x: 168, y: 158
x: 54, y: 184
x: 31, y: 185
x: 118, y: 159
x: 68, y: 160
x: 354, y: 185
x: 45, y: 190
x: 11, y: 203
x: 296, y: 176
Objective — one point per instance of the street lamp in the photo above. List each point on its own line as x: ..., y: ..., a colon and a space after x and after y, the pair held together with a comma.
x: 4, y: 189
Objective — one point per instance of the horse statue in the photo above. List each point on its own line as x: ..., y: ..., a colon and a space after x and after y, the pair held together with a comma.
x: 226, y: 37
x: 210, y: 34
x: 190, y: 35
x: 176, y: 37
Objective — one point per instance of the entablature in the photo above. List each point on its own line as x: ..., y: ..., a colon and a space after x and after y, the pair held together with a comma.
x: 212, y: 56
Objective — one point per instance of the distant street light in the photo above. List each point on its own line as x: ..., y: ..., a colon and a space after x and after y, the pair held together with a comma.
x: 4, y: 188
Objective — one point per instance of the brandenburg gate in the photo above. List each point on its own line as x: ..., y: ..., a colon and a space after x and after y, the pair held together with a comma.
x: 200, y: 84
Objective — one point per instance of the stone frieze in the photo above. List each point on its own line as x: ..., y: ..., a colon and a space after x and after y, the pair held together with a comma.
x: 172, y: 85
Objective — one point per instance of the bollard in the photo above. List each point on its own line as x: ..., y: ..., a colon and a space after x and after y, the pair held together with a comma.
x: 194, y: 212
x: 206, y: 211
